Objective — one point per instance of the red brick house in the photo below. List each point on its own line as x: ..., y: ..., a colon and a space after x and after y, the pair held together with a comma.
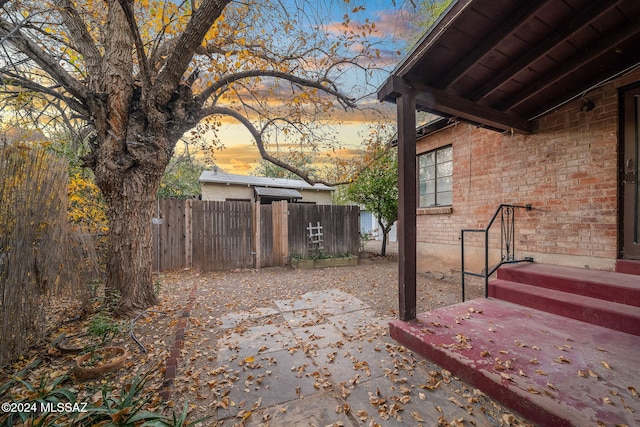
x: 538, y: 103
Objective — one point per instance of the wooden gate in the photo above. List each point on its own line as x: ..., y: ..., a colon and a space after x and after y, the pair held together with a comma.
x: 172, y: 234
x: 222, y: 235
x: 204, y: 235
x: 340, y: 228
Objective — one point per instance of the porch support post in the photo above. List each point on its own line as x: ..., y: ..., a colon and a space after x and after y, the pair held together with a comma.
x: 407, y: 185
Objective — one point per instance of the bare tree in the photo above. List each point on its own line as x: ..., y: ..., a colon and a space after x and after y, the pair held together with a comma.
x: 137, y: 76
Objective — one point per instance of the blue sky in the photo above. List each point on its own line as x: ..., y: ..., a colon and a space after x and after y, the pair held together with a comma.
x: 240, y: 155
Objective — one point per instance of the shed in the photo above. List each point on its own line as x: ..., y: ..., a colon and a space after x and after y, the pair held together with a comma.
x: 222, y: 186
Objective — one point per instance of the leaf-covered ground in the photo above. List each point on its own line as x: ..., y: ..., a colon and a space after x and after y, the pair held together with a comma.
x: 211, y: 299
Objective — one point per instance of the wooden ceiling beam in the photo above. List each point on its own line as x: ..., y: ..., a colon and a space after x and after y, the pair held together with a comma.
x: 488, y: 44
x: 441, y: 102
x: 585, y: 17
x: 568, y: 67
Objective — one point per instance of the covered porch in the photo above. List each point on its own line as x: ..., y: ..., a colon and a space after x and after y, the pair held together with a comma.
x: 503, y: 66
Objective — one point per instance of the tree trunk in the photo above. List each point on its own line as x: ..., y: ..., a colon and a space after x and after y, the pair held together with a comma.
x: 130, y: 247
x: 383, y: 251
x: 385, y: 233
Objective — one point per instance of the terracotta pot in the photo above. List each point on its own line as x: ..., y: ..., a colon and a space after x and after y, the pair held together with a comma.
x: 109, y: 359
x: 74, y: 344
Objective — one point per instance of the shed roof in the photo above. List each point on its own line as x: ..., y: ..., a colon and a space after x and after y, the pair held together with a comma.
x: 278, y: 193
x: 503, y: 63
x: 260, y: 181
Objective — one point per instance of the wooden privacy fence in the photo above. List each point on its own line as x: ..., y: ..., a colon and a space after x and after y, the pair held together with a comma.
x: 210, y: 236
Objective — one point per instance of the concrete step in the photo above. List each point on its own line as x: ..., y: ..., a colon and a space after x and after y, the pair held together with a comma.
x: 553, y: 370
x: 606, y: 285
x: 628, y: 266
x: 612, y: 315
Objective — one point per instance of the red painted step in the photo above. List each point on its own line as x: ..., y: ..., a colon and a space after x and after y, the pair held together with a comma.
x: 619, y: 317
x: 606, y: 285
x: 553, y: 370
x: 628, y: 266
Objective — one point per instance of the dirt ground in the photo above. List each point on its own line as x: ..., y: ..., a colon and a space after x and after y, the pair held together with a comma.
x: 374, y: 281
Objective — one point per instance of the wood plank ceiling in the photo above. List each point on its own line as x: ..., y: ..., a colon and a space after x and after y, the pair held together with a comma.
x: 502, y: 63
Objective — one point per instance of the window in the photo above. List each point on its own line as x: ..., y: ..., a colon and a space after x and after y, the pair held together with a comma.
x: 435, y: 175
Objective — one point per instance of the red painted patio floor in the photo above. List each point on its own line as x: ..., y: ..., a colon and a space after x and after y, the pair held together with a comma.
x: 550, y: 369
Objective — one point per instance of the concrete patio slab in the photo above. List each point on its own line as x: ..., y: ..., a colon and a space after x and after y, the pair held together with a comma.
x: 320, y: 411
x: 355, y: 361
x: 270, y: 379
x: 319, y: 336
x: 334, y: 302
x: 285, y: 305
x: 302, y: 318
x: 360, y: 322
x: 231, y: 320
x: 254, y: 340
x: 315, y: 363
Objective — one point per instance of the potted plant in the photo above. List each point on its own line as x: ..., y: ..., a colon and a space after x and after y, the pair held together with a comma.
x: 99, y: 362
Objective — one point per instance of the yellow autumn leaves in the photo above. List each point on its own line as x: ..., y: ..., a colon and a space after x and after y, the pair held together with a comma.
x: 87, y: 208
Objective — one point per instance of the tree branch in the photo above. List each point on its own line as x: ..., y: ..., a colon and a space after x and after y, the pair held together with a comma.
x: 180, y: 57
x: 13, y: 80
x: 79, y: 34
x: 48, y: 63
x: 318, y: 84
x: 142, y: 58
x: 257, y: 136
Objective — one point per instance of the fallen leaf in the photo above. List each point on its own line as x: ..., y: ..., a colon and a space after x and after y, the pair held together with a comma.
x: 456, y: 402
x: 633, y: 391
x: 244, y: 415
x: 606, y: 365
x: 416, y: 416
x: 508, y: 419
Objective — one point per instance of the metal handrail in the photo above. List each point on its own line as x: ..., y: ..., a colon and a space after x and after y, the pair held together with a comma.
x: 507, y: 244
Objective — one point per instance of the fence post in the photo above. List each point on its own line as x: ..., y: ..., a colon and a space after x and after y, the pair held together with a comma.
x: 188, y: 234
x: 256, y: 233
x: 279, y: 212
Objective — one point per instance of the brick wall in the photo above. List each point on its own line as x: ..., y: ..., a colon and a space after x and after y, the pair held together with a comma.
x: 566, y: 169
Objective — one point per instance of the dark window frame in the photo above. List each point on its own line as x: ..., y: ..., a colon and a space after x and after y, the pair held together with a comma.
x: 424, y: 182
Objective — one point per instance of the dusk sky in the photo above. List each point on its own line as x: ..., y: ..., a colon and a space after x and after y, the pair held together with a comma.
x: 240, y: 155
